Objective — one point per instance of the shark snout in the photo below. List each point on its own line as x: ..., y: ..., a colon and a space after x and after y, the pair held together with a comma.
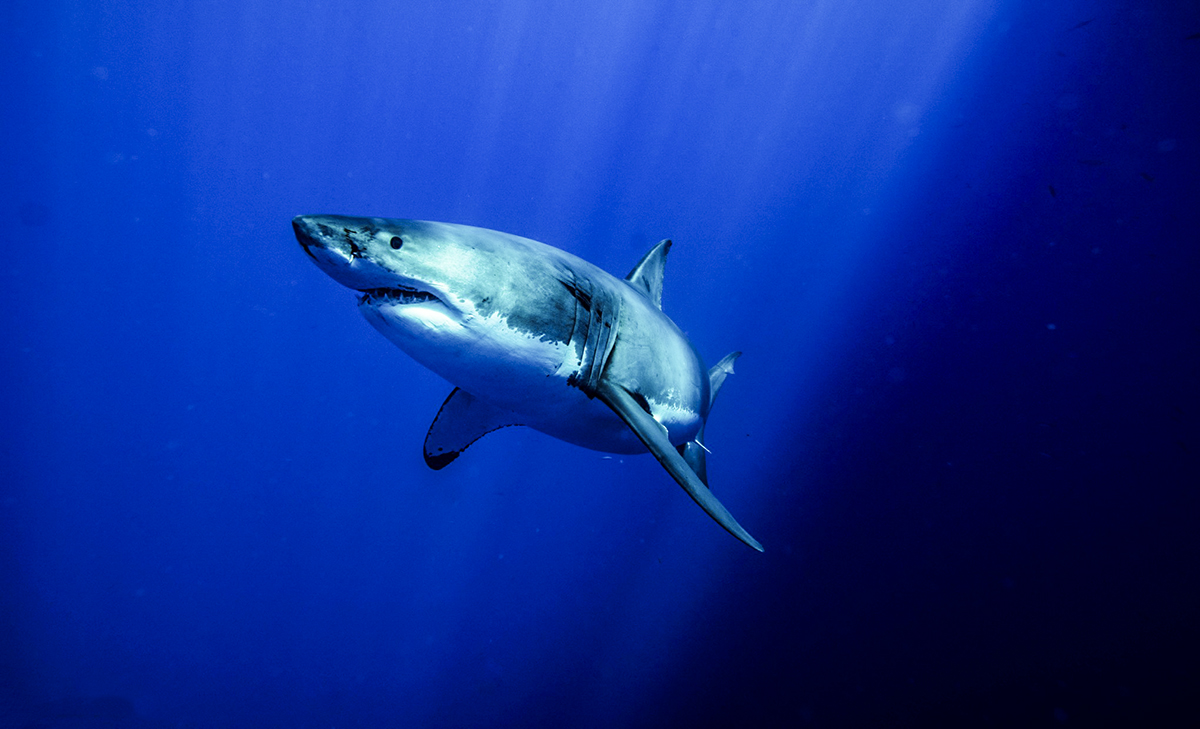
x: 324, y: 240
x: 330, y: 242
x: 306, y: 233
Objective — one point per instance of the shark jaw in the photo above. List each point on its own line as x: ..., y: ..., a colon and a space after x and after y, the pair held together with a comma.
x: 395, y: 296
x: 400, y: 312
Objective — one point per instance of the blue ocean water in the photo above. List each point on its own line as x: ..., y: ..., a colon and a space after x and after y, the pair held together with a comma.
x: 955, y: 239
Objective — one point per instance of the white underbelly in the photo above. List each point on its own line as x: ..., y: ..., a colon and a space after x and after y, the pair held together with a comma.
x: 508, y: 368
x: 516, y: 371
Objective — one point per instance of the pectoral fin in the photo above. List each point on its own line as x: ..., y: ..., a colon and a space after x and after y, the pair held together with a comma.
x: 693, y: 454
x: 462, y: 420
x: 654, y: 436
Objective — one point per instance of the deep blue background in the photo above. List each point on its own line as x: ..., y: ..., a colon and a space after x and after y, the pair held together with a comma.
x: 956, y: 240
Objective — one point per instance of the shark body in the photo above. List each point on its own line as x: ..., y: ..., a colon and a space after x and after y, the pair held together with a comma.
x: 531, y: 335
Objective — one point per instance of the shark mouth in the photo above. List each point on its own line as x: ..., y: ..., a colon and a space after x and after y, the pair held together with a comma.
x: 396, y: 295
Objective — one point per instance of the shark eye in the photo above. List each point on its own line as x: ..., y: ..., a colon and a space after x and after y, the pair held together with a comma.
x: 397, y: 241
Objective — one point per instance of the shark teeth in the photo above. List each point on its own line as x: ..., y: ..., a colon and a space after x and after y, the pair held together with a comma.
x: 397, y: 295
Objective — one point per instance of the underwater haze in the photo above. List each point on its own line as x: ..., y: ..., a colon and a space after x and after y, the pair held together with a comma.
x: 956, y: 240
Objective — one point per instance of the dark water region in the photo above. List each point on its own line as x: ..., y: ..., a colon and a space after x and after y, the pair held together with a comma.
x: 956, y: 242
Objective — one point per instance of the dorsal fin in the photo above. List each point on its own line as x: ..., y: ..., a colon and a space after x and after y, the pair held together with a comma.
x: 462, y: 420
x: 647, y: 276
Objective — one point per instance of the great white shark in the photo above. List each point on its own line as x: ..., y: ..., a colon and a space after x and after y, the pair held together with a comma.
x: 531, y: 335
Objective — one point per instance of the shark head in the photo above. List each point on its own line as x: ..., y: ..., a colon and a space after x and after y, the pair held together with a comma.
x: 454, y: 297
x: 403, y: 268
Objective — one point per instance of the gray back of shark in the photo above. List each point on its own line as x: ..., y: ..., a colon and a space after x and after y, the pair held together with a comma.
x: 531, y: 335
